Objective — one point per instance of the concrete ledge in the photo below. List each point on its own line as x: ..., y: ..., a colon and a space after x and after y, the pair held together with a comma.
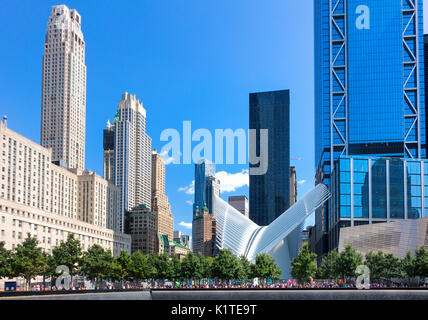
x: 287, y: 294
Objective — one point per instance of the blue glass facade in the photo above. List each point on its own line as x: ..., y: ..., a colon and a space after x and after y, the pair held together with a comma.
x: 270, y: 193
x: 204, y: 170
x: 369, y: 93
x: 376, y: 189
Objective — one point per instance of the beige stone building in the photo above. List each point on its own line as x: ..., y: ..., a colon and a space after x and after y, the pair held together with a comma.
x: 160, y: 205
x: 98, y: 200
x: 63, y: 112
x: 177, y: 250
x: 43, y: 198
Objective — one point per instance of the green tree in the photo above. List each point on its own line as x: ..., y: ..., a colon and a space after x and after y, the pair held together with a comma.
x: 206, y: 264
x: 121, y: 267
x: 139, y: 268
x: 48, y: 267
x: 225, y: 265
x: 409, y: 266
x: 421, y: 262
x: 68, y: 253
x: 376, y: 263
x: 348, y: 261
x: 392, y: 267
x: 190, y: 267
x: 97, y: 264
x: 265, y: 267
x: 152, y: 262
x: 5, y: 261
x: 328, y: 268
x: 245, y: 270
x: 163, y: 267
x: 303, y: 267
x: 28, y: 260
x: 176, y: 269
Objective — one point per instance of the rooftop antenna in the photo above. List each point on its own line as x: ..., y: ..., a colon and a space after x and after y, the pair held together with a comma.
x: 5, y: 120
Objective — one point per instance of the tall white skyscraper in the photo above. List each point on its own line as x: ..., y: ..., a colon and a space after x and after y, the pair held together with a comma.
x: 132, y: 155
x: 64, y: 88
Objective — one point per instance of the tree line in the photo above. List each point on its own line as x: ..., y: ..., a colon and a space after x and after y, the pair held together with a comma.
x: 28, y: 261
x: 343, y: 265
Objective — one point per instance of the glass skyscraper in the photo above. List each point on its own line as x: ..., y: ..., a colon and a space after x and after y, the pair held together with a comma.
x: 206, y: 185
x: 270, y: 193
x: 369, y: 86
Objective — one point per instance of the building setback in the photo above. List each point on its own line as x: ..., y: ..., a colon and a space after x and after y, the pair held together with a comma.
x: 270, y: 193
x: 132, y: 155
x: 369, y: 87
x: 160, y: 205
x: 203, y: 225
x: 63, y: 112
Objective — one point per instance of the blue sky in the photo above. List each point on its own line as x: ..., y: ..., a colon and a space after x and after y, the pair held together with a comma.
x: 191, y: 60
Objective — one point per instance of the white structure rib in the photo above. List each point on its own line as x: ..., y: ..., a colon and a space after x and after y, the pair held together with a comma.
x: 243, y: 237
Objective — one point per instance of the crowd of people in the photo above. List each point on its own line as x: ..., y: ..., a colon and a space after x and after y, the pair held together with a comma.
x: 283, y: 284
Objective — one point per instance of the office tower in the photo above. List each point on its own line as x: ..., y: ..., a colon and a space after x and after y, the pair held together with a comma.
x: 63, y: 113
x: 293, y: 185
x: 426, y: 84
x: 132, y: 155
x: 240, y: 203
x: 141, y: 224
x: 212, y: 188
x: 203, y: 232
x: 108, y: 154
x: 50, y: 202
x: 369, y: 87
x: 160, y: 205
x: 269, y: 193
x: 203, y: 225
x: 204, y: 171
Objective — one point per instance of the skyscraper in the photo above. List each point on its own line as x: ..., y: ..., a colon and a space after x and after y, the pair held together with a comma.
x: 206, y: 185
x: 132, y: 155
x: 203, y: 224
x: 293, y: 185
x: 240, y: 203
x: 269, y: 193
x: 63, y: 113
x: 108, y: 153
x: 160, y: 205
x: 369, y: 86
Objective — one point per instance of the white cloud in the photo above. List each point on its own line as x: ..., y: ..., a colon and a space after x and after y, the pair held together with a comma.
x: 300, y: 182
x: 167, y: 160
x: 187, y: 225
x: 229, y: 182
x: 190, y: 189
x: 189, y: 202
